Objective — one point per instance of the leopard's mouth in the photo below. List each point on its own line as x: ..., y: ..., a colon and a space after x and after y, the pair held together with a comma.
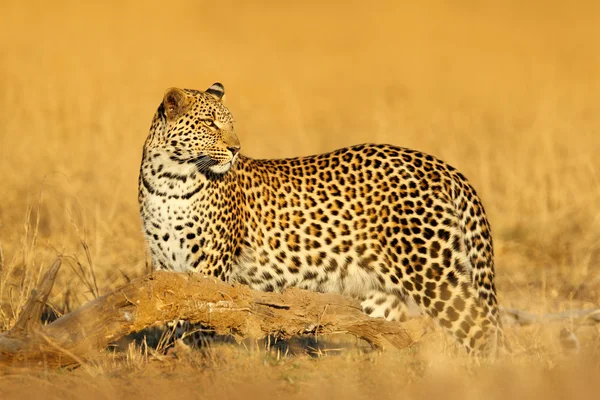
x: 203, y: 162
x: 221, y: 169
x: 210, y: 166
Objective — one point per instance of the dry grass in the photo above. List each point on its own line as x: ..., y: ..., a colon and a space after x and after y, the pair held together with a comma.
x: 507, y: 92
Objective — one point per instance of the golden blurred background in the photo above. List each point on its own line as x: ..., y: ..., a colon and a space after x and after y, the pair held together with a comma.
x: 507, y: 92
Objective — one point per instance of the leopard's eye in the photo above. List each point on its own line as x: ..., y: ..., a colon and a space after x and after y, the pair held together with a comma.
x: 210, y: 123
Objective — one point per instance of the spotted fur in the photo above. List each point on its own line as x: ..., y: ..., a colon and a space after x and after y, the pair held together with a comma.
x: 387, y: 225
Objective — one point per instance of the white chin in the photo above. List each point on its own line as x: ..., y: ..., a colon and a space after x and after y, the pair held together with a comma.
x: 221, y: 169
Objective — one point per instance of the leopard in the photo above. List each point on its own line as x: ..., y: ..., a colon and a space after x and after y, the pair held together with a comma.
x: 386, y: 225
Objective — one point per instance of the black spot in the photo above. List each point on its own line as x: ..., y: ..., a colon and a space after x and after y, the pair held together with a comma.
x: 310, y: 275
x: 268, y: 288
x: 443, y: 234
x: 445, y: 294
x: 452, y: 314
x: 428, y: 234
x: 447, y: 255
x: 465, y: 326
x: 452, y: 278
x: 267, y: 275
x: 332, y: 266
x: 459, y: 304
x: 445, y: 323
x: 296, y: 263
x: 456, y: 243
x: 426, y: 301
x: 430, y: 290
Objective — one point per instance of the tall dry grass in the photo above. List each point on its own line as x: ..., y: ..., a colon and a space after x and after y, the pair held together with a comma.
x: 507, y: 92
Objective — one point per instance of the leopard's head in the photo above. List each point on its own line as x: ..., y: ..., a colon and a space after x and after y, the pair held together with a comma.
x: 195, y: 129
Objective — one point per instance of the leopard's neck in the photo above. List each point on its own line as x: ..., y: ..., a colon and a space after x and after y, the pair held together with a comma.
x: 179, y: 206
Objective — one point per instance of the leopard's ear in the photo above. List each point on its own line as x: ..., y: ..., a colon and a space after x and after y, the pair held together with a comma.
x: 217, y: 91
x: 176, y: 103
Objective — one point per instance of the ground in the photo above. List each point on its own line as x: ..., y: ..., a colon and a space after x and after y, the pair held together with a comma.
x: 507, y: 93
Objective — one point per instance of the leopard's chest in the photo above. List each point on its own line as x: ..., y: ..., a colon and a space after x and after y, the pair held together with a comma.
x: 170, y: 231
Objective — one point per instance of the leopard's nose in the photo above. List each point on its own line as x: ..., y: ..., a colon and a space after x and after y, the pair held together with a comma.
x: 234, y: 150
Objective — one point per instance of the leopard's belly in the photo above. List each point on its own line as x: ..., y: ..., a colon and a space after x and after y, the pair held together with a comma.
x: 319, y: 270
